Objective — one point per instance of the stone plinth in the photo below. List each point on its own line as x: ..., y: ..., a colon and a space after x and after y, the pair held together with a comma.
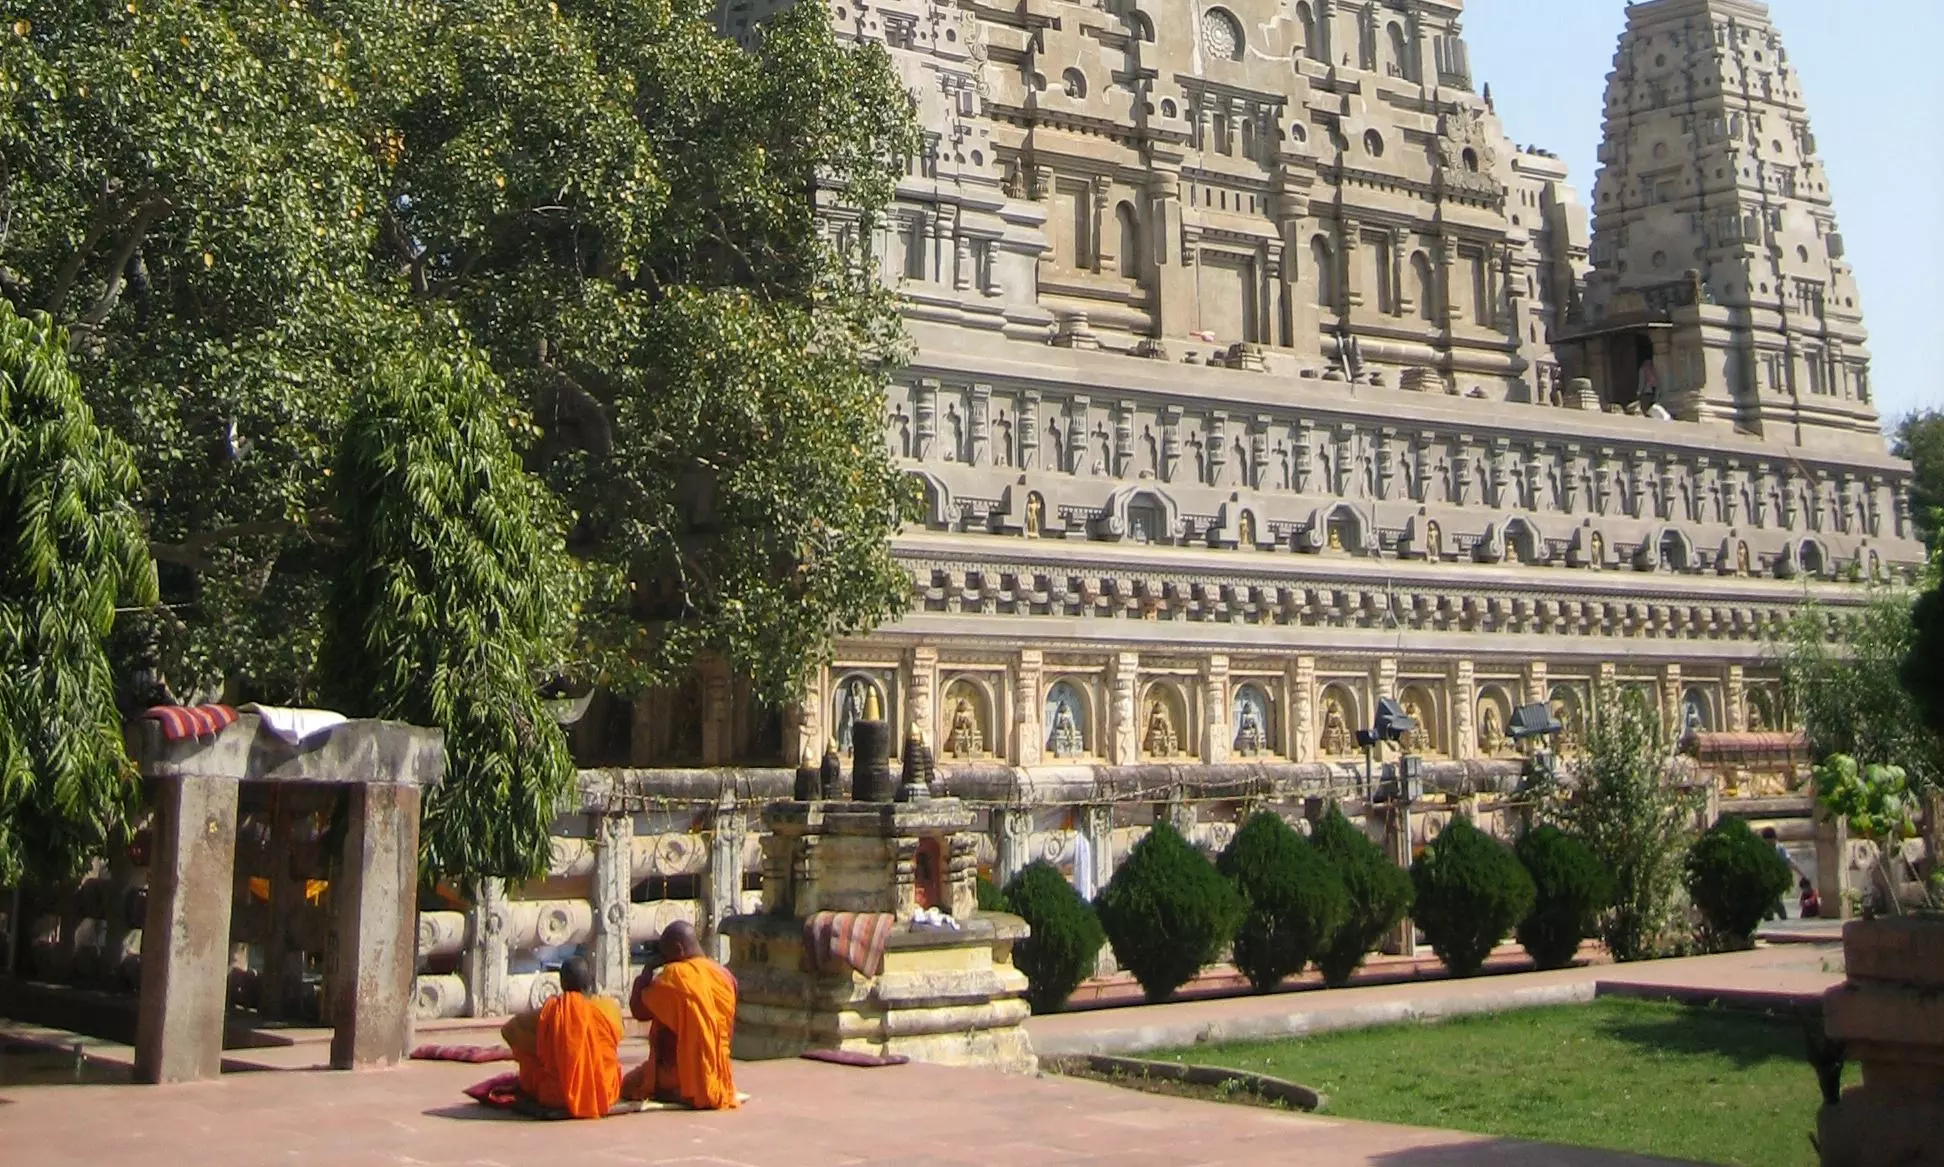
x: 194, y: 785
x: 1889, y: 1015
x: 949, y: 996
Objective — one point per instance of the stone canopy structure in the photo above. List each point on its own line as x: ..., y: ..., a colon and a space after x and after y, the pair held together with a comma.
x: 1259, y: 375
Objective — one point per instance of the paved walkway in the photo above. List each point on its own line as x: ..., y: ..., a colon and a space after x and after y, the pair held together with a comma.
x: 802, y: 1114
x: 1777, y: 976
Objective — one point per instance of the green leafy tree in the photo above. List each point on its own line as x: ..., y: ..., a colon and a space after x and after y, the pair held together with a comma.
x: 1570, y: 890
x: 1922, y: 672
x: 1066, y: 935
x: 1636, y: 819
x: 71, y: 549
x: 1470, y: 891
x: 1734, y: 877
x: 450, y: 607
x: 1878, y: 804
x: 1843, y: 675
x: 1919, y: 436
x: 243, y: 209
x: 1167, y: 912
x: 1296, y: 900
x: 1379, y: 894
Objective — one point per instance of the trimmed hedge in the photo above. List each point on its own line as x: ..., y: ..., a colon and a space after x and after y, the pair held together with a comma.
x: 1734, y: 877
x: 1379, y: 895
x: 1296, y: 900
x: 1470, y: 892
x: 1167, y: 912
x: 1066, y: 935
x: 1570, y: 890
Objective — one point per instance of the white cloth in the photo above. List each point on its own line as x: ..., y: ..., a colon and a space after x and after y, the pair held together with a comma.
x: 933, y: 919
x: 294, y: 725
x: 1083, y: 868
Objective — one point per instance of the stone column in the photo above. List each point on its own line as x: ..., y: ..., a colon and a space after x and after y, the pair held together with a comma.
x: 1124, y: 742
x: 1299, y: 680
x: 1216, y: 732
x: 375, y: 902
x: 1832, y: 864
x: 727, y: 829
x: 1464, y: 704
x: 1028, y: 699
x: 484, y: 962
x: 1096, y: 825
x: 1385, y: 680
x: 921, y: 664
x: 1537, y: 691
x: 1013, y: 849
x: 1735, y: 697
x: 1349, y: 269
x: 1397, y: 844
x: 718, y: 723
x: 185, y: 938
x: 613, y: 893
x: 1671, y: 701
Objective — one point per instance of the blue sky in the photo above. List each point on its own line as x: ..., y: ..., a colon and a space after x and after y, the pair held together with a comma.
x: 1863, y: 63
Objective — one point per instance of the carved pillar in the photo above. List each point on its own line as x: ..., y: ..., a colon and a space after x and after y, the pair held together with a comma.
x: 484, y: 963
x: 1123, y: 439
x: 1385, y: 679
x: 1735, y: 698
x: 981, y: 454
x: 1013, y: 849
x: 1536, y: 688
x: 1671, y: 700
x: 925, y: 406
x: 1124, y: 742
x: 1350, y: 270
x: 612, y: 894
x: 1102, y: 187
x: 1170, y: 441
x: 1028, y: 697
x: 1450, y: 310
x: 1216, y: 732
x: 921, y: 684
x: 1464, y: 704
x: 1076, y: 435
x: 1096, y: 825
x: 1029, y: 419
x: 727, y: 829
x: 1299, y: 680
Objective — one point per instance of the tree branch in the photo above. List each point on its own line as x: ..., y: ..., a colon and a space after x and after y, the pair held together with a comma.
x: 105, y: 211
x: 585, y: 407
x: 189, y: 552
x: 150, y: 210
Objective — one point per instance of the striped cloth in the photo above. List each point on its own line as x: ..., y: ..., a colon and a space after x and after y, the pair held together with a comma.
x: 187, y: 721
x: 841, y: 941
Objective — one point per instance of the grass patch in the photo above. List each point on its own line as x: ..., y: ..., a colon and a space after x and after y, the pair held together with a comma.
x: 1710, y: 1085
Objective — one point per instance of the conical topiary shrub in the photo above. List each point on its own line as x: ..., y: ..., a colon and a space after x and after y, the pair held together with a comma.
x: 1734, y: 877
x: 1470, y: 893
x: 1167, y: 912
x: 1296, y: 900
x: 1570, y: 889
x: 1066, y: 935
x: 1379, y: 894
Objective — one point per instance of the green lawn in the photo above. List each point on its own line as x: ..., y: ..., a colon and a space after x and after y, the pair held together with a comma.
x: 1710, y: 1085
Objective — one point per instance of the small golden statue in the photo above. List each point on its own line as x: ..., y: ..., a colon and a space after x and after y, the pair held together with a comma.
x: 1035, y: 510
x: 1336, y: 537
x: 1336, y: 739
x: 1245, y: 531
x: 1491, y: 731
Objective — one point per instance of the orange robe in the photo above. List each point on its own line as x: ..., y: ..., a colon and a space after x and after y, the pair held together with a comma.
x: 570, y: 1056
x: 691, y: 1010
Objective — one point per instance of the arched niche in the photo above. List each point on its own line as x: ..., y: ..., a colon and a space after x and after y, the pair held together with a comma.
x: 1338, y: 717
x: 1813, y: 558
x: 1492, y: 721
x: 1141, y: 514
x: 1569, y: 708
x: 850, y: 694
x: 968, y: 721
x: 1339, y: 528
x: 1252, y: 715
x: 1069, y: 719
x: 1698, y: 711
x: 940, y: 511
x: 1676, y: 551
x: 1762, y: 710
x: 1163, y: 719
x: 1420, y: 702
x: 1524, y: 542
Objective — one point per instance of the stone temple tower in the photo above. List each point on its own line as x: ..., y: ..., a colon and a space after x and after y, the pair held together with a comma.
x: 1719, y: 289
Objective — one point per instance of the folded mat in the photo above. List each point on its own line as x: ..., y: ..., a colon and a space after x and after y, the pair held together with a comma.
x: 181, y: 722
x: 462, y: 1053
x: 503, y: 1093
x: 848, y: 1057
x: 836, y: 942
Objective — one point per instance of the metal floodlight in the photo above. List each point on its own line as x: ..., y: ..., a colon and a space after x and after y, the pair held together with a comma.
x: 1367, y: 738
x: 1532, y: 721
x: 1392, y: 722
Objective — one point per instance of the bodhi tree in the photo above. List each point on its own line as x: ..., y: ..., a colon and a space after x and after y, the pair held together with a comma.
x: 246, y: 211
x: 71, y: 550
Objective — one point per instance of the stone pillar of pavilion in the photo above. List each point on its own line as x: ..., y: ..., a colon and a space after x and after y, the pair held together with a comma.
x: 382, y: 769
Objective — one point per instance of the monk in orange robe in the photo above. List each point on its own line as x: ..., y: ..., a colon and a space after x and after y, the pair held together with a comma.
x: 690, y: 1007
x: 570, y: 1052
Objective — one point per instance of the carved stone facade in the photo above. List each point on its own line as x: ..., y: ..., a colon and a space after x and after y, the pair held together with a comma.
x: 1254, y: 382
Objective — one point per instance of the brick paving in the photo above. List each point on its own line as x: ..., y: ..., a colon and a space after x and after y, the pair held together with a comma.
x: 813, y: 1115
x: 802, y: 1114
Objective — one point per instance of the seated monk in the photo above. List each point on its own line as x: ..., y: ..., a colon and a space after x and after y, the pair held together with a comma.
x: 570, y: 1052
x: 690, y: 1006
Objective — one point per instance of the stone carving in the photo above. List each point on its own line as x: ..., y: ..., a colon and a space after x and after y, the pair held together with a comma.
x: 1064, y: 738
x: 1419, y: 740
x: 1251, y: 732
x: 1161, y: 740
x: 1336, y: 740
x: 967, y: 738
x: 1245, y: 532
x: 1035, y: 514
x: 1491, y: 730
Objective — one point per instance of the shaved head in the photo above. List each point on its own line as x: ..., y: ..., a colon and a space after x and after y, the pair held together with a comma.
x: 679, y: 942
